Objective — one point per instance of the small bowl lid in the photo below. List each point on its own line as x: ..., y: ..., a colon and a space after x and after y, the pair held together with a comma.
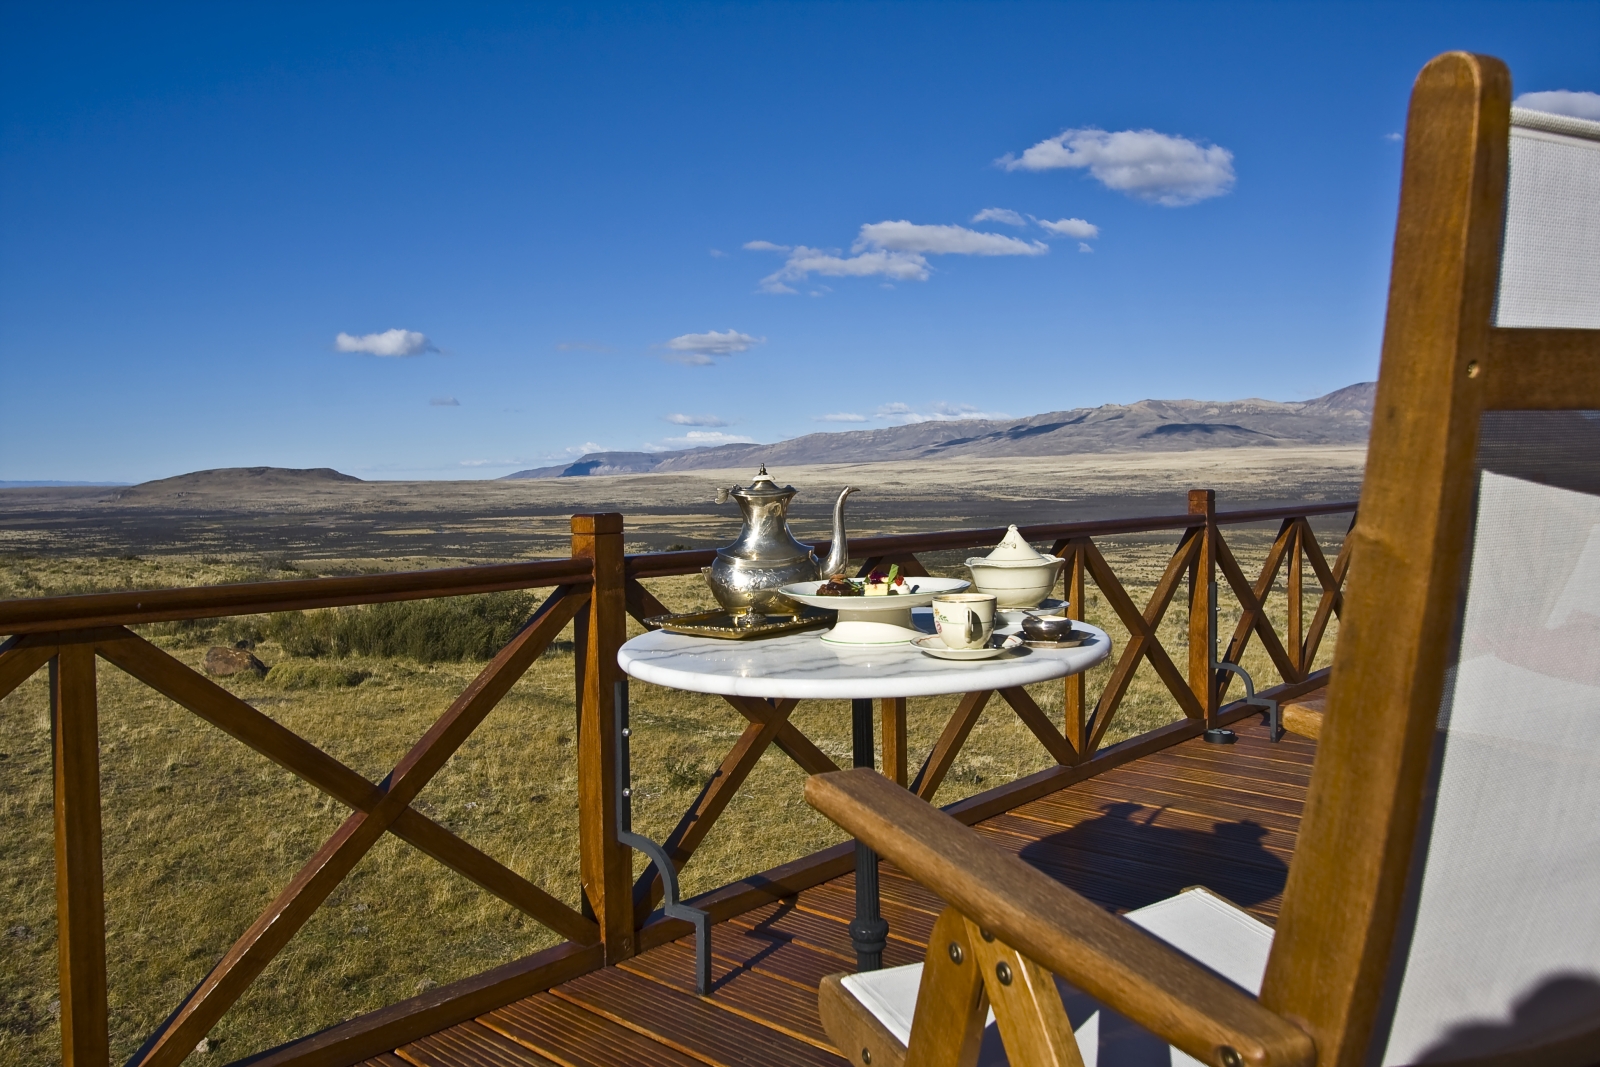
x: 1013, y: 551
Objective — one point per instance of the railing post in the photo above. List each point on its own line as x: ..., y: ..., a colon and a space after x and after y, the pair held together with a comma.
x: 606, y: 865
x: 80, y: 878
x: 892, y: 712
x: 1294, y: 631
x: 1203, y: 606
x: 1074, y: 722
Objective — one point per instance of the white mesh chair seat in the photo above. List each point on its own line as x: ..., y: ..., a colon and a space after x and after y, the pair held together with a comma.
x: 1198, y: 923
x: 1504, y: 949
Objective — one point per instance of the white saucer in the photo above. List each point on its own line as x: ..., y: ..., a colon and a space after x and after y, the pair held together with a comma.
x: 934, y: 645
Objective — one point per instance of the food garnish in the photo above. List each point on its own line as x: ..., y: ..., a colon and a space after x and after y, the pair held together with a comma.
x: 878, y: 583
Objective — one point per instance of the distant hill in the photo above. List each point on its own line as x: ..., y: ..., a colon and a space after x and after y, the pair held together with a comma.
x: 1343, y: 417
x: 243, y: 481
x: 59, y: 485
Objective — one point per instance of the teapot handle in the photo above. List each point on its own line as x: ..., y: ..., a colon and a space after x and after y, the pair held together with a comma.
x: 722, y: 495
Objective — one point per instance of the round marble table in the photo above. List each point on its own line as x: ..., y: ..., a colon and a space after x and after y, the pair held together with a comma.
x: 800, y: 666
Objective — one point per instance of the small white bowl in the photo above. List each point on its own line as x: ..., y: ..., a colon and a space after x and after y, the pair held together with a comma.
x: 1015, y: 585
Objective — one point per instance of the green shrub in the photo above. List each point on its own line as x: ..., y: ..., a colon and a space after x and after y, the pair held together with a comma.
x: 428, y: 631
x: 298, y: 674
x: 193, y: 633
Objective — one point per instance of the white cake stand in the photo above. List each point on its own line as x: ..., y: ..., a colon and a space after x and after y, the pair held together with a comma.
x: 874, y: 620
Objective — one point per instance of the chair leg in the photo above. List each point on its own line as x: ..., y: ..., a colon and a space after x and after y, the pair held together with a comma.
x: 1027, y: 1007
x: 952, y: 1005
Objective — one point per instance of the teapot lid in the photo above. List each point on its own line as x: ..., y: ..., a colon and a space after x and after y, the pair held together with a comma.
x: 762, y: 488
x: 1013, y: 549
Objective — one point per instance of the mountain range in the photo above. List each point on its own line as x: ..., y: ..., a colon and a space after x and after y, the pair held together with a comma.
x: 1342, y: 417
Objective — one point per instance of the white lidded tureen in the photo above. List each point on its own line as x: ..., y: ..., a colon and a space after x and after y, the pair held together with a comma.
x: 1014, y: 573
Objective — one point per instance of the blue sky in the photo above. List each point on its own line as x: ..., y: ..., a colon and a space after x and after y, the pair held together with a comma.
x: 549, y: 207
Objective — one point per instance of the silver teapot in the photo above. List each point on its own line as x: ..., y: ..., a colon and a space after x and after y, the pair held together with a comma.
x: 747, y: 574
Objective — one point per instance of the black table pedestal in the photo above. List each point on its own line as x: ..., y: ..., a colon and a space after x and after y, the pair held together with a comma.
x: 869, y: 932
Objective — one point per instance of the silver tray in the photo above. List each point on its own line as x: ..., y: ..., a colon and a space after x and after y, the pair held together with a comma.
x: 730, y: 628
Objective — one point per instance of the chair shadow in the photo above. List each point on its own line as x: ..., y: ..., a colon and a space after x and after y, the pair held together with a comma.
x: 1150, y: 862
x: 1561, y: 1014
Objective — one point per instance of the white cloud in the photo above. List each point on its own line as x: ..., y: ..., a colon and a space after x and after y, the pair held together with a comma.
x: 696, y: 349
x: 803, y: 261
x: 764, y: 246
x: 444, y: 402
x: 702, y: 439
x: 1087, y: 231
x: 903, y: 414
x: 1084, y: 248
x: 1393, y: 137
x: 840, y: 416
x: 387, y: 343
x: 478, y: 463
x: 694, y: 420
x: 903, y: 236
x: 897, y: 250
x: 1000, y: 214
x: 717, y: 253
x: 1584, y: 105
x: 584, y: 449
x: 1142, y: 163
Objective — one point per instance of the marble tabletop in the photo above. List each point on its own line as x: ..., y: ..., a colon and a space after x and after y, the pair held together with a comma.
x: 803, y: 667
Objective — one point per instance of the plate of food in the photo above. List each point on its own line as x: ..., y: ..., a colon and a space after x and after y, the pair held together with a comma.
x: 934, y: 645
x: 875, y: 610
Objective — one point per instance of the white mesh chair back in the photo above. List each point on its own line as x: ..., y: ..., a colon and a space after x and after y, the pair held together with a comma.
x: 1550, y: 265
x: 1499, y: 948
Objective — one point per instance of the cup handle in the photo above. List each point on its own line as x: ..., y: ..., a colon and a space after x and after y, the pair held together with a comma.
x: 974, y: 625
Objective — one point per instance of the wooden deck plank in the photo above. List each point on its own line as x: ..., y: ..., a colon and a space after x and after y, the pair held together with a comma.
x: 1160, y: 810
x: 908, y: 925
x: 1062, y: 812
x: 566, y: 1033
x: 1127, y: 834
x: 689, y: 1023
x: 823, y: 933
x: 469, y: 1045
x: 759, y: 997
x: 779, y: 957
x: 1221, y: 816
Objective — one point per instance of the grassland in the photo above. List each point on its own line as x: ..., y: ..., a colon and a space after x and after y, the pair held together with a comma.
x: 200, y: 833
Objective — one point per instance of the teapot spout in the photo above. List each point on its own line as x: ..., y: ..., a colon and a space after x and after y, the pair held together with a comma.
x: 839, y: 551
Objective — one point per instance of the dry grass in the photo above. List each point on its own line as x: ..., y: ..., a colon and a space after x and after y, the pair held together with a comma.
x: 200, y: 833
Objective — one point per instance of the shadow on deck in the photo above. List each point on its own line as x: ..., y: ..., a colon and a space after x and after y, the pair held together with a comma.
x: 1193, y: 814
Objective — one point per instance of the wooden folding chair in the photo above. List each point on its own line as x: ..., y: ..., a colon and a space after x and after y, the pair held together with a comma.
x: 1443, y: 904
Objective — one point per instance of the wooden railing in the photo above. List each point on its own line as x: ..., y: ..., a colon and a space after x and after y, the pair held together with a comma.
x: 595, y: 590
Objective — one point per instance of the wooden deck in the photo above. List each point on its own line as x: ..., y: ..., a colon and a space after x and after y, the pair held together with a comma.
x: 1195, y: 814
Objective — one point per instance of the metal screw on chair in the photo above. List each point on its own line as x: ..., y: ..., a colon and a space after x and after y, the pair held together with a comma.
x: 866, y: 1055
x: 1230, y: 1056
x: 955, y: 953
x: 1002, y: 971
x: 987, y: 936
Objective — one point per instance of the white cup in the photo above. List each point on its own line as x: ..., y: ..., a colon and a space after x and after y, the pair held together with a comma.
x: 964, y: 620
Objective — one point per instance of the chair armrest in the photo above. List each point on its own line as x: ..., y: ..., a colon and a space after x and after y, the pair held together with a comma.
x: 1109, y: 958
